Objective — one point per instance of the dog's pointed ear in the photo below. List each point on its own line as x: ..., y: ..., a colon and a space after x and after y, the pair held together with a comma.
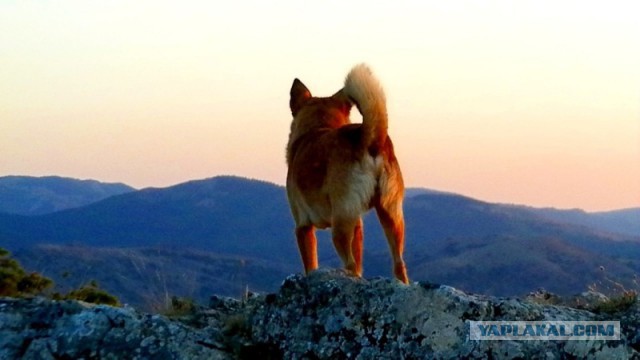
x: 344, y: 101
x: 299, y: 95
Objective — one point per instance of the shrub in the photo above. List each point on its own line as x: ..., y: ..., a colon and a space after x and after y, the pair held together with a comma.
x: 92, y: 293
x: 180, y: 307
x: 620, y: 298
x: 34, y: 283
x: 618, y: 303
x: 16, y: 282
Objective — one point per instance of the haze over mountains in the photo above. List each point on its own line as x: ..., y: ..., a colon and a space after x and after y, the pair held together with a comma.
x: 227, y: 233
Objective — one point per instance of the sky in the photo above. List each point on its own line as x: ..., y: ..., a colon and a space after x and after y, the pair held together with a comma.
x: 524, y: 102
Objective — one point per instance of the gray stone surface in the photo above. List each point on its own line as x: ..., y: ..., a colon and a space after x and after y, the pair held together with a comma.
x: 333, y: 316
x: 326, y: 315
x: 44, y: 329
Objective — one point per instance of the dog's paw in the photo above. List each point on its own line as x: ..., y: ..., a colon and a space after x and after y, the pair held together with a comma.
x: 400, y: 271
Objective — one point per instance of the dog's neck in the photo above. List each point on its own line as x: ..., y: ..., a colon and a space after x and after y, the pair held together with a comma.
x: 313, y: 119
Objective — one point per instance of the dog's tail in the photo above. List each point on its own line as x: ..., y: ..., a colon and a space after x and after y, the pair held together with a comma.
x: 365, y: 91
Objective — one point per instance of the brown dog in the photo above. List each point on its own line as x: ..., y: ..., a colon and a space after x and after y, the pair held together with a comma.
x: 338, y: 171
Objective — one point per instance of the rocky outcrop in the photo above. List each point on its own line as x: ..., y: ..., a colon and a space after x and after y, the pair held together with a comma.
x: 326, y: 315
x: 329, y: 316
x: 45, y: 329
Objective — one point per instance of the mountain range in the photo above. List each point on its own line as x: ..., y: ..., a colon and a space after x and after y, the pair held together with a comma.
x: 225, y: 234
x: 26, y: 195
x: 623, y: 221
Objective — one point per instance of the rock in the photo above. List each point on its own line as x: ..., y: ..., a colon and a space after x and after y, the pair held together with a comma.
x: 44, y: 329
x: 327, y: 315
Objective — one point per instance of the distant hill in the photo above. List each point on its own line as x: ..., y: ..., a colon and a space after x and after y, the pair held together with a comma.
x: 411, y: 192
x: 26, y: 195
x: 500, y: 250
x: 227, y: 215
x: 625, y: 221
x: 509, y: 265
x: 148, y: 277
x: 452, y: 239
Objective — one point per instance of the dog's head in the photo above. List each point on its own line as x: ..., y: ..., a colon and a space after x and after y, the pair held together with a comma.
x: 309, y: 111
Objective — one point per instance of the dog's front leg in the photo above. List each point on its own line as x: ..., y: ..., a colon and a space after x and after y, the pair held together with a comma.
x: 307, y: 244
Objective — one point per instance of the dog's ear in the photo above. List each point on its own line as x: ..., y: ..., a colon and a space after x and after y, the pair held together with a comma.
x: 299, y: 95
x: 343, y: 101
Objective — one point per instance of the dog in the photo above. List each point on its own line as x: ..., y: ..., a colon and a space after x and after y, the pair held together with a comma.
x: 337, y: 171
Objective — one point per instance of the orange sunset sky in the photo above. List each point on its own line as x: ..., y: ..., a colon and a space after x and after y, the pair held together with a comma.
x: 528, y: 102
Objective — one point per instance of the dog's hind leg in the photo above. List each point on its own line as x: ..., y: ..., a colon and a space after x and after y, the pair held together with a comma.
x: 357, y: 247
x: 307, y: 244
x: 392, y: 221
x: 343, y: 231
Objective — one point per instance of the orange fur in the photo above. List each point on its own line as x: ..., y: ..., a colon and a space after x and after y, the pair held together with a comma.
x: 338, y: 171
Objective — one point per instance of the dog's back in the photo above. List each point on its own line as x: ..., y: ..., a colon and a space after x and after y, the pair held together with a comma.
x: 338, y: 170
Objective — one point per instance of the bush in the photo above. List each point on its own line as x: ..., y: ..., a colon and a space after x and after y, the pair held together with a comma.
x: 618, y: 303
x: 92, y: 293
x: 180, y: 307
x: 14, y: 280
x: 619, y: 297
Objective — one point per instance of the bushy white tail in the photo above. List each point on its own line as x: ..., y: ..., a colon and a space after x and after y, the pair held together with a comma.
x: 366, y: 92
